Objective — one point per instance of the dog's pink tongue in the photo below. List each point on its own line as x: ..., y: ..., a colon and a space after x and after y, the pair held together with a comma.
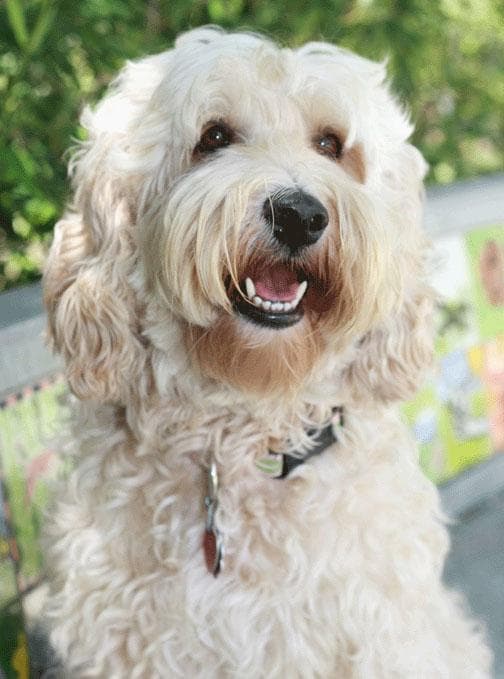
x: 277, y: 283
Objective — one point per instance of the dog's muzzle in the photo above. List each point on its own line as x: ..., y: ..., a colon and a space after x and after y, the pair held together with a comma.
x: 272, y: 295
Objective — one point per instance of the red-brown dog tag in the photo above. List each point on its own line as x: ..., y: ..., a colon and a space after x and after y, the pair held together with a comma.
x: 212, y: 548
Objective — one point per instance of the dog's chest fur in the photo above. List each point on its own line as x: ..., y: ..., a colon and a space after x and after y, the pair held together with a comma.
x: 309, y: 557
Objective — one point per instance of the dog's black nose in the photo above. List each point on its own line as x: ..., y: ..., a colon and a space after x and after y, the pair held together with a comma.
x: 297, y: 219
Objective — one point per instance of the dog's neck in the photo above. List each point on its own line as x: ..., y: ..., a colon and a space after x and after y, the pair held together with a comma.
x: 275, y: 464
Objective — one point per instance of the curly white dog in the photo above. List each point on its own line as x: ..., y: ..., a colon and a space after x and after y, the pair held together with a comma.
x: 240, y: 284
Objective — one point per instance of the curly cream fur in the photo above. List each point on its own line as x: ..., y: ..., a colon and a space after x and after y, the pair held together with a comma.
x: 334, y: 571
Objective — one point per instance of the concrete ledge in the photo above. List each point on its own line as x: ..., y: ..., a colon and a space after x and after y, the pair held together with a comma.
x: 20, y: 304
x: 465, y: 205
x: 24, y: 357
x: 468, y: 492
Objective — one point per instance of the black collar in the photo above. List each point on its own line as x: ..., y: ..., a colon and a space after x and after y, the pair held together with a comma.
x: 322, y: 438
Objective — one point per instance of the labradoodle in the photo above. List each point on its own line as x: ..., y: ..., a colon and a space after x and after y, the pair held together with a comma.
x: 239, y: 291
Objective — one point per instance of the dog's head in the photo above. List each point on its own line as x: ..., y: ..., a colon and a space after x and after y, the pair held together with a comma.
x: 262, y: 202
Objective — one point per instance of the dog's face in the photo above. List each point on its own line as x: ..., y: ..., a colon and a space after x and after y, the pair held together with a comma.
x: 268, y: 196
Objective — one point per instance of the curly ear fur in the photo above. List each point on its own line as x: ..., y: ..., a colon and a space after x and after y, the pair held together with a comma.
x: 92, y: 310
x: 394, y: 355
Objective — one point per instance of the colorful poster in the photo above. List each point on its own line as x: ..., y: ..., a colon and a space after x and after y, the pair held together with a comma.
x: 458, y: 418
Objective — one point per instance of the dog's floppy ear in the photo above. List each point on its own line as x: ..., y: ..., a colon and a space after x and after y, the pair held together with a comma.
x: 92, y: 310
x: 393, y: 357
x: 395, y: 354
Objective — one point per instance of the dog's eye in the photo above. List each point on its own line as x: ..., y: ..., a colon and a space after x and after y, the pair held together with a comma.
x: 329, y: 145
x: 214, y: 138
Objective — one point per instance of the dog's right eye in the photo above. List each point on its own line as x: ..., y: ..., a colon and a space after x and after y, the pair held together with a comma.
x: 329, y: 144
x: 215, y: 137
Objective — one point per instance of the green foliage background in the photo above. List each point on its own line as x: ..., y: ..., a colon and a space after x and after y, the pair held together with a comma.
x: 446, y: 60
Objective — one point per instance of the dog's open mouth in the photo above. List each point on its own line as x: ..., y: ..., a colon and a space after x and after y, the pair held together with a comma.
x: 272, y: 297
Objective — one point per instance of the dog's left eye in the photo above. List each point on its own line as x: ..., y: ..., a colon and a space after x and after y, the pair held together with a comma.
x: 214, y: 138
x: 329, y: 144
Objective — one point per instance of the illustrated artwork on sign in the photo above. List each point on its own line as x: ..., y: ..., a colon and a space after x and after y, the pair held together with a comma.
x: 458, y: 418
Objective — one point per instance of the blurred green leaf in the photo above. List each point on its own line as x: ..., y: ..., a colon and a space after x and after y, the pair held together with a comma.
x: 44, y: 24
x: 40, y: 210
x: 21, y: 226
x: 17, y: 22
x: 25, y: 160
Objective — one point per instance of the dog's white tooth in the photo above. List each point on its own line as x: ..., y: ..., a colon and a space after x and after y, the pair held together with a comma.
x: 249, y: 285
x: 257, y: 300
x: 301, y: 290
x: 288, y: 306
x: 276, y: 306
x: 266, y: 305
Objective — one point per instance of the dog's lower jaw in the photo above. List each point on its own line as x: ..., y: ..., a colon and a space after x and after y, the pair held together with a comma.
x: 268, y: 319
x: 273, y: 362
